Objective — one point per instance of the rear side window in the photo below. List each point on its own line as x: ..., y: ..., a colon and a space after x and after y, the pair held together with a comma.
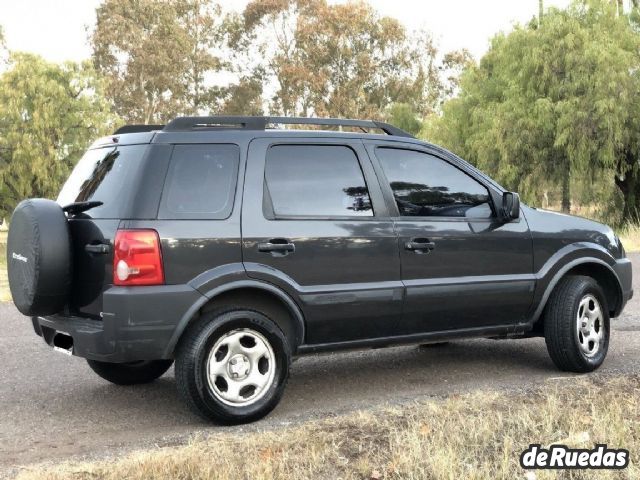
x: 201, y: 182
x: 105, y: 175
x: 315, y: 180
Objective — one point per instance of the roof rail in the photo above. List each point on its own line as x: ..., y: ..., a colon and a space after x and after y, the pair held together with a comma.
x: 137, y: 129
x: 262, y: 123
x: 216, y: 122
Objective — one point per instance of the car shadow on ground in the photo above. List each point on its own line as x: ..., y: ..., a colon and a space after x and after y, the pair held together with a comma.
x: 351, y: 379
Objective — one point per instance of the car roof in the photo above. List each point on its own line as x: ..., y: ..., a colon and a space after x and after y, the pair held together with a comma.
x: 244, y: 136
x: 218, y: 136
x: 212, y: 126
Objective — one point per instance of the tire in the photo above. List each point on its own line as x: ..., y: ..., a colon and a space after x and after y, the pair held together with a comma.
x: 232, y: 366
x: 576, y: 325
x: 132, y: 373
x: 39, y: 257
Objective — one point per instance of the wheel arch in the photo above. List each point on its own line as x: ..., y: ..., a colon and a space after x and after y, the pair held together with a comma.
x: 595, y: 268
x: 251, y: 294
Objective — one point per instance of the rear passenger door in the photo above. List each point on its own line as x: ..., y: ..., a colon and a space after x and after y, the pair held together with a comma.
x: 315, y: 223
x: 463, y: 267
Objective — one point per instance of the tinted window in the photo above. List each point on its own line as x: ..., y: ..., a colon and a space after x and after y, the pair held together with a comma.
x: 105, y: 175
x: 426, y: 186
x: 201, y: 182
x: 316, y: 180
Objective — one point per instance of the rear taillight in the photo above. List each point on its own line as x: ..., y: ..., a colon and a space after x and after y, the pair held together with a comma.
x: 137, y: 259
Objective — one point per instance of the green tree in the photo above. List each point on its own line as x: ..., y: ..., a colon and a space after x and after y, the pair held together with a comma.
x: 243, y: 97
x: 341, y: 59
x: 49, y: 114
x: 403, y: 116
x: 551, y: 104
x: 156, y: 56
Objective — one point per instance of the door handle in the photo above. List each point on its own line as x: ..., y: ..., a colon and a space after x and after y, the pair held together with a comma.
x: 100, y: 248
x: 420, y: 245
x: 277, y: 246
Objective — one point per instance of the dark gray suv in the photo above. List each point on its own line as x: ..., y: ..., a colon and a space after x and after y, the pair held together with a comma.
x: 232, y: 244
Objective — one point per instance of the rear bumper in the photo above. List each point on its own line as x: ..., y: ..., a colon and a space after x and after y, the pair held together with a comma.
x: 138, y: 323
x: 624, y: 271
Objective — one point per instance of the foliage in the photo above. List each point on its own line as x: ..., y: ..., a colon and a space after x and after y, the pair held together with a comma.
x: 49, y: 114
x: 159, y: 58
x: 342, y: 60
x: 403, y: 116
x: 156, y: 56
x: 243, y: 97
x: 552, y: 104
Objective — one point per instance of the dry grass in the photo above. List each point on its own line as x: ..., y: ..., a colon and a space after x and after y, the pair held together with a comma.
x: 5, y: 296
x: 476, y: 436
x: 630, y: 237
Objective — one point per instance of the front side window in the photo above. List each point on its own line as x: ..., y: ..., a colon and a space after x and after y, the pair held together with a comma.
x: 315, y: 180
x: 201, y: 182
x: 426, y: 186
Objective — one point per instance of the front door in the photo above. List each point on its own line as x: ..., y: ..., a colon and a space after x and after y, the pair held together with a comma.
x: 315, y: 223
x: 463, y: 268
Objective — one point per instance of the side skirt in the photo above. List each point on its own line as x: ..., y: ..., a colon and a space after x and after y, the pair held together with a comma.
x: 482, y: 332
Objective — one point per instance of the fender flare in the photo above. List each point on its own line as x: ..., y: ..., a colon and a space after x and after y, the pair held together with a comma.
x: 561, y: 273
x: 186, y: 319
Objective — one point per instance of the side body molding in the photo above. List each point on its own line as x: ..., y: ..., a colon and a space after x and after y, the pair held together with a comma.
x: 225, y: 278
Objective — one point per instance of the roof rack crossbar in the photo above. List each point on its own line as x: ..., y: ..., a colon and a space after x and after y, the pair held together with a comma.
x: 261, y: 123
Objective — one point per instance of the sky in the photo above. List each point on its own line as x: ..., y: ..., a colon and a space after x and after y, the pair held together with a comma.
x: 57, y: 29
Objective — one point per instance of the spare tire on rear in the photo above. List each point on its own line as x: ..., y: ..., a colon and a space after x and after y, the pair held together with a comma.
x: 39, y: 257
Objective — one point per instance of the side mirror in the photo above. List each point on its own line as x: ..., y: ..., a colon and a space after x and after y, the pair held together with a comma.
x: 510, y: 206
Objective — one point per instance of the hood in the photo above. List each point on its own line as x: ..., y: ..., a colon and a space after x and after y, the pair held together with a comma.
x: 567, y: 229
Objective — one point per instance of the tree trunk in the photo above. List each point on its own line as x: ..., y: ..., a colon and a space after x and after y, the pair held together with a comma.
x: 566, y: 190
x: 630, y: 188
x: 540, y: 11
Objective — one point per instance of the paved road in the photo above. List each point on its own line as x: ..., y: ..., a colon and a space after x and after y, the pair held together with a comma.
x: 52, y: 406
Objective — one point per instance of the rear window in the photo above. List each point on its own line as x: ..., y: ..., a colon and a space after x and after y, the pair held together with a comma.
x: 201, y: 182
x: 104, y: 175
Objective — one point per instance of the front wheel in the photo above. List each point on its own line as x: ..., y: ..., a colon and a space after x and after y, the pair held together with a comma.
x: 131, y: 373
x: 576, y: 325
x: 232, y: 366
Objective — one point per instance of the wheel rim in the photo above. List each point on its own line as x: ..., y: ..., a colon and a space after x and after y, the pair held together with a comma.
x: 590, y: 326
x: 241, y: 367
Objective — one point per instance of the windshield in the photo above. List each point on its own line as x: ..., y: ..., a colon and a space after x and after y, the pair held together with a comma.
x: 105, y: 175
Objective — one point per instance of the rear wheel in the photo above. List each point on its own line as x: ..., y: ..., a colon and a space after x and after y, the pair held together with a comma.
x: 130, y: 373
x: 576, y: 325
x: 232, y: 366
